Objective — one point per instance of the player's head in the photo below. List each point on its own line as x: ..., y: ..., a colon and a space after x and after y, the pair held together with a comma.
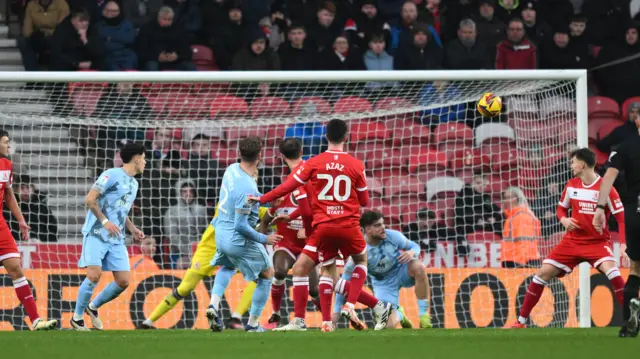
x: 148, y: 246
x: 250, y: 149
x: 372, y: 224
x: 4, y: 143
x: 133, y: 155
x: 337, y: 131
x: 291, y: 148
x: 582, y: 159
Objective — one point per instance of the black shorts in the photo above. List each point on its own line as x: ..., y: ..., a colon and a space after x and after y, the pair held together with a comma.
x: 632, y: 231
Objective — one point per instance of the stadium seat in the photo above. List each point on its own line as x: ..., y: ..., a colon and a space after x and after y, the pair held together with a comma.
x: 376, y: 187
x: 86, y: 86
x: 606, y: 128
x: 451, y: 148
x: 595, y: 124
x: 395, y: 104
x: 494, y: 133
x: 384, y: 161
x: 271, y: 157
x: 367, y: 131
x: 181, y: 105
x: 596, y: 51
x: 469, y: 158
x: 407, y: 132
x: 403, y: 186
x: 532, y: 131
x: 211, y: 90
x: 625, y: 107
x: 464, y: 174
x: 269, y: 106
x: 443, y: 187
x: 452, y: 131
x: 226, y: 155
x: 161, y: 87
x: 524, y: 108
x: 430, y: 159
x: 85, y: 101
x: 409, y: 207
x: 496, y: 185
x: 271, y: 138
x: 228, y: 105
x: 495, y: 149
x: 601, y: 157
x: 392, y: 216
x: 504, y: 161
x: 425, y: 174
x: 352, y: 104
x: 203, y: 57
x: 557, y: 107
x: 311, y: 105
x: 600, y: 106
x: 275, y: 134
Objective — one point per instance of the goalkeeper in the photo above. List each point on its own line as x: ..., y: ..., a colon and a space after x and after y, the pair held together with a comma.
x: 200, y: 269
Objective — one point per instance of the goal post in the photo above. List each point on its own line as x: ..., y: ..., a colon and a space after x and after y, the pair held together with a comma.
x: 424, y: 145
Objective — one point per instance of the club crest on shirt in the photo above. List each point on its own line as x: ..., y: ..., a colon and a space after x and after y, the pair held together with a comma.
x: 103, y: 180
x: 596, y: 196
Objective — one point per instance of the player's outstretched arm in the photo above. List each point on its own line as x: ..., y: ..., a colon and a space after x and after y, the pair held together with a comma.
x: 14, y: 207
x: 606, y: 185
x: 287, y: 187
x: 412, y: 249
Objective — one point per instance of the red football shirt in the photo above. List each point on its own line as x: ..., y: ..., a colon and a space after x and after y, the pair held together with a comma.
x: 6, y: 180
x: 334, y: 180
x: 583, y: 200
x: 289, y: 231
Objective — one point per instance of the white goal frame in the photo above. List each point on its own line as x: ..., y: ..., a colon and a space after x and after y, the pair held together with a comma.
x: 579, y: 76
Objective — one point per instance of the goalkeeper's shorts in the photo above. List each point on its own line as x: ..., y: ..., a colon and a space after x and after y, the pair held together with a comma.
x: 201, y: 261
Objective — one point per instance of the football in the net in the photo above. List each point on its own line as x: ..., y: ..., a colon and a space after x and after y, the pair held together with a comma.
x: 489, y: 105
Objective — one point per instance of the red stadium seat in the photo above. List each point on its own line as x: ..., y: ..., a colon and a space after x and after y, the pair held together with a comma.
x: 494, y: 133
x: 404, y: 186
x: 367, y: 131
x: 85, y: 102
x: 392, y: 216
x: 491, y: 150
x: 504, y: 161
x: 606, y: 128
x: 426, y: 174
x: 469, y: 158
x: 87, y: 86
x: 161, y: 87
x: 523, y: 108
x: 228, y: 105
x: 451, y: 148
x: 185, y: 105
x: 385, y: 161
x: 376, y: 187
x: 202, y: 56
x: 452, y: 131
x: 226, y: 156
x: 269, y: 106
x: 271, y: 157
x: 312, y: 104
x: 407, y: 132
x: 443, y: 187
x: 625, y: 107
x: 235, y: 134
x: 395, y: 104
x: 211, y: 89
x: 600, y: 106
x: 430, y: 159
x: 275, y: 134
x: 596, y: 123
x: 409, y: 207
x: 352, y: 104
x: 363, y: 149
x: 601, y: 157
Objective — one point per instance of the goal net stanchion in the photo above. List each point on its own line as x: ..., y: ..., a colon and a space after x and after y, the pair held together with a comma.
x: 418, y: 133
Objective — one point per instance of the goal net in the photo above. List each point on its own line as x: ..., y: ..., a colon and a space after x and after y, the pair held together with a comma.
x: 437, y: 170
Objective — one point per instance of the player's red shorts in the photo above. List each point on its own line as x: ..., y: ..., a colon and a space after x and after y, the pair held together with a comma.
x: 334, y: 242
x: 568, y: 254
x: 292, y: 248
x: 311, y: 249
x: 8, y: 246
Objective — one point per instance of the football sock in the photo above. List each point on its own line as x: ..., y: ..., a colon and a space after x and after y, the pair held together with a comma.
x: 165, y: 306
x: 617, y: 283
x: 220, y: 284
x: 23, y: 291
x: 111, y: 292
x: 300, y: 296
x: 84, y: 296
x: 325, y: 287
x: 277, y: 292
x: 358, y: 277
x: 236, y: 315
x: 423, y: 306
x: 260, y: 297
x: 630, y: 292
x: 245, y: 300
x: 344, y: 286
x: 531, y: 298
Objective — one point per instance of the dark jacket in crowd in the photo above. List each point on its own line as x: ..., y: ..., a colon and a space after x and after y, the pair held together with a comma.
x: 187, y: 15
x: 554, y: 12
x: 293, y: 59
x: 460, y: 57
x: 247, y: 60
x: 140, y: 12
x: 207, y: 174
x: 330, y: 60
x: 471, y: 207
x: 360, y: 27
x: 118, y: 36
x: 617, y: 136
x: 44, y: 225
x: 320, y: 37
x: 619, y: 81
x: 67, y: 50
x: 226, y: 41
x: 415, y: 58
x: 539, y: 33
x: 490, y: 32
x: 153, y: 40
x: 553, y: 57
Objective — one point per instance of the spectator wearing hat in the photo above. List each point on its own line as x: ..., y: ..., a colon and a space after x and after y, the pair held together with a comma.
x: 466, y: 52
x: 325, y: 29
x: 162, y: 45
x: 75, y: 45
x: 507, y: 10
x: 295, y: 54
x: 622, y: 132
x: 275, y: 26
x: 491, y: 30
x: 556, y: 13
x: 516, y: 51
x: 428, y: 229
x: 187, y: 16
x: 434, y: 13
x: 537, y: 31
x: 560, y: 54
x: 41, y: 19
x: 118, y: 36
x: 365, y: 23
x: 402, y: 30
x: 421, y: 54
x: 226, y: 37
x: 140, y: 12
x: 257, y: 56
x: 580, y: 35
x: 621, y: 80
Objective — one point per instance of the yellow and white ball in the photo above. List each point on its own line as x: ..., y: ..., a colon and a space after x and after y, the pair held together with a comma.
x: 489, y: 105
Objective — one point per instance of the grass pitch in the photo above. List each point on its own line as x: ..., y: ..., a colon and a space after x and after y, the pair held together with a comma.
x: 390, y: 344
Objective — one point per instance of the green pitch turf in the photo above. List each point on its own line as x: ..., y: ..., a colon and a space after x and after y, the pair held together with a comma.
x: 391, y: 344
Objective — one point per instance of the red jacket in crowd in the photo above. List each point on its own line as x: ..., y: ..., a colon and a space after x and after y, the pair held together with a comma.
x: 512, y: 56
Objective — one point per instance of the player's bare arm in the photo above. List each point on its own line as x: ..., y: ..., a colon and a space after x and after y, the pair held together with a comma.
x: 605, y: 188
x: 14, y: 207
x: 138, y: 235
x: 91, y: 201
x: 265, y: 222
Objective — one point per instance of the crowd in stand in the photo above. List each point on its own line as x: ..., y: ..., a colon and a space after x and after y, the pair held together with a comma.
x: 249, y: 35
